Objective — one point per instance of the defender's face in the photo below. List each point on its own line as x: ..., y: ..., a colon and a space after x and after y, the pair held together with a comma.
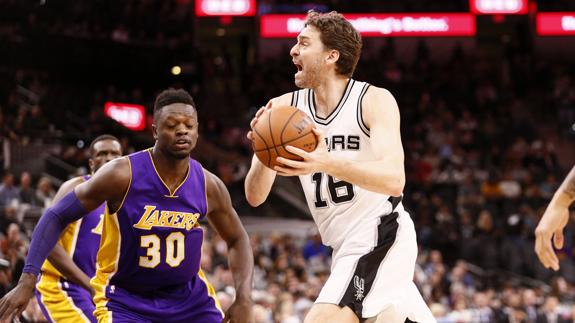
x: 176, y: 130
x: 103, y: 152
x: 308, y: 55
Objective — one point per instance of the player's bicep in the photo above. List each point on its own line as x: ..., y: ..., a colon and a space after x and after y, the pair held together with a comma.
x: 109, y: 183
x: 382, y: 116
x: 221, y: 214
x: 66, y: 188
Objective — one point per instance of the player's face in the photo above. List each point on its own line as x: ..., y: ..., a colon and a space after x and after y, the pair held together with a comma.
x: 309, y: 56
x: 176, y: 130
x: 103, y: 152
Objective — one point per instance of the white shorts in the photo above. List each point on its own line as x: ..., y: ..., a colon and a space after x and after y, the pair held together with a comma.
x: 372, y: 271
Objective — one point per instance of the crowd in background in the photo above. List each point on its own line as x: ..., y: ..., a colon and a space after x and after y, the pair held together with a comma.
x: 480, y: 171
x: 290, y: 272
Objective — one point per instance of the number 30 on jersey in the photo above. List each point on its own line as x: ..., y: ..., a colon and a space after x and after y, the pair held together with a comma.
x: 175, y: 252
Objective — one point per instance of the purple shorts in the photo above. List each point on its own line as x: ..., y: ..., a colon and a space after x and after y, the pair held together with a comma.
x: 191, y: 302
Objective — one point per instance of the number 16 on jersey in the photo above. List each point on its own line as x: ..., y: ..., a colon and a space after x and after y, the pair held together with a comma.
x: 338, y: 191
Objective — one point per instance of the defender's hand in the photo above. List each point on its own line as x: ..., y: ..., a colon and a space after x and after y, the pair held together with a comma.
x: 239, y: 312
x: 268, y: 106
x: 15, y: 302
x: 550, y: 228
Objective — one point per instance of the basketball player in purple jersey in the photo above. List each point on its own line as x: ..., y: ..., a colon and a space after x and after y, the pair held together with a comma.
x: 148, y: 265
x: 63, y: 290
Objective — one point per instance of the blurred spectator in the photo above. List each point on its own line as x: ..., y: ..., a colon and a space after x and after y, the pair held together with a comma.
x: 27, y: 194
x: 315, y: 248
x: 45, y: 192
x: 9, y: 193
x: 14, y: 247
x: 550, y: 312
x: 5, y: 277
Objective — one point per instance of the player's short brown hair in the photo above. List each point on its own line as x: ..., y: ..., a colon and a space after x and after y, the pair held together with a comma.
x: 339, y: 34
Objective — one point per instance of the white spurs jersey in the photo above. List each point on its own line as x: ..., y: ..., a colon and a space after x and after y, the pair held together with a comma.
x: 337, y: 206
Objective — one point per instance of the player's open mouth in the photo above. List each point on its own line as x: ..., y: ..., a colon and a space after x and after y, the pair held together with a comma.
x: 298, y: 66
x: 182, y: 143
x: 299, y: 69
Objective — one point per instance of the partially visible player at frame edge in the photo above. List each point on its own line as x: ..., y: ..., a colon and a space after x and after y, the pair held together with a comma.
x: 353, y: 181
x: 148, y: 264
x: 549, y: 231
x: 63, y: 290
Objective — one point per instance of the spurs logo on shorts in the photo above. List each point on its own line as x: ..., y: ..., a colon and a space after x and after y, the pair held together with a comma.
x: 359, y: 284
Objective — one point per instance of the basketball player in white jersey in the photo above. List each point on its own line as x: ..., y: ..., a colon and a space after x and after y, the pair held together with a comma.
x: 353, y: 181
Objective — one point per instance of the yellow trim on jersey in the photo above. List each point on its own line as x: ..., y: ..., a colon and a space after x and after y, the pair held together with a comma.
x: 106, y: 264
x: 59, y: 306
x: 68, y: 242
x: 206, y: 190
x: 108, y: 257
x: 211, y: 291
x: 107, y: 319
x: 162, y: 180
x: 72, y: 247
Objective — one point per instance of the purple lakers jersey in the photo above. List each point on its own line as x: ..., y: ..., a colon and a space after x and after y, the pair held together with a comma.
x: 154, y: 240
x: 81, y: 240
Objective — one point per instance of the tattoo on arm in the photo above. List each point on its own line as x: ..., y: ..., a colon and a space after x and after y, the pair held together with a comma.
x: 569, y: 184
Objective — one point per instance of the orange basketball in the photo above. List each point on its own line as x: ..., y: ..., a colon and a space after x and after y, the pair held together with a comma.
x: 279, y: 127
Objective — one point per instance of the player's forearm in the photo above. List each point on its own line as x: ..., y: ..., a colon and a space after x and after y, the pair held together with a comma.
x: 64, y: 264
x: 385, y: 177
x: 258, y: 183
x: 27, y: 280
x: 48, y: 230
x: 565, y: 195
x: 241, y: 263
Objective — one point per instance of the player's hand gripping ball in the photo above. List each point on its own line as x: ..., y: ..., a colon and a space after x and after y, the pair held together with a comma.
x: 279, y: 127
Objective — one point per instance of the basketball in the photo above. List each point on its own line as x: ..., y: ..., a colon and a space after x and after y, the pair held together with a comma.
x: 280, y: 127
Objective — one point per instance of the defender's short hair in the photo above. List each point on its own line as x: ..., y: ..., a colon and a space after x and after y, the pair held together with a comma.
x: 171, y: 96
x: 102, y: 138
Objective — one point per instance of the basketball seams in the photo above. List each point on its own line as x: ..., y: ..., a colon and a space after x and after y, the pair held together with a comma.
x: 272, y: 136
x: 285, y: 126
x: 286, y: 142
x: 265, y: 143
